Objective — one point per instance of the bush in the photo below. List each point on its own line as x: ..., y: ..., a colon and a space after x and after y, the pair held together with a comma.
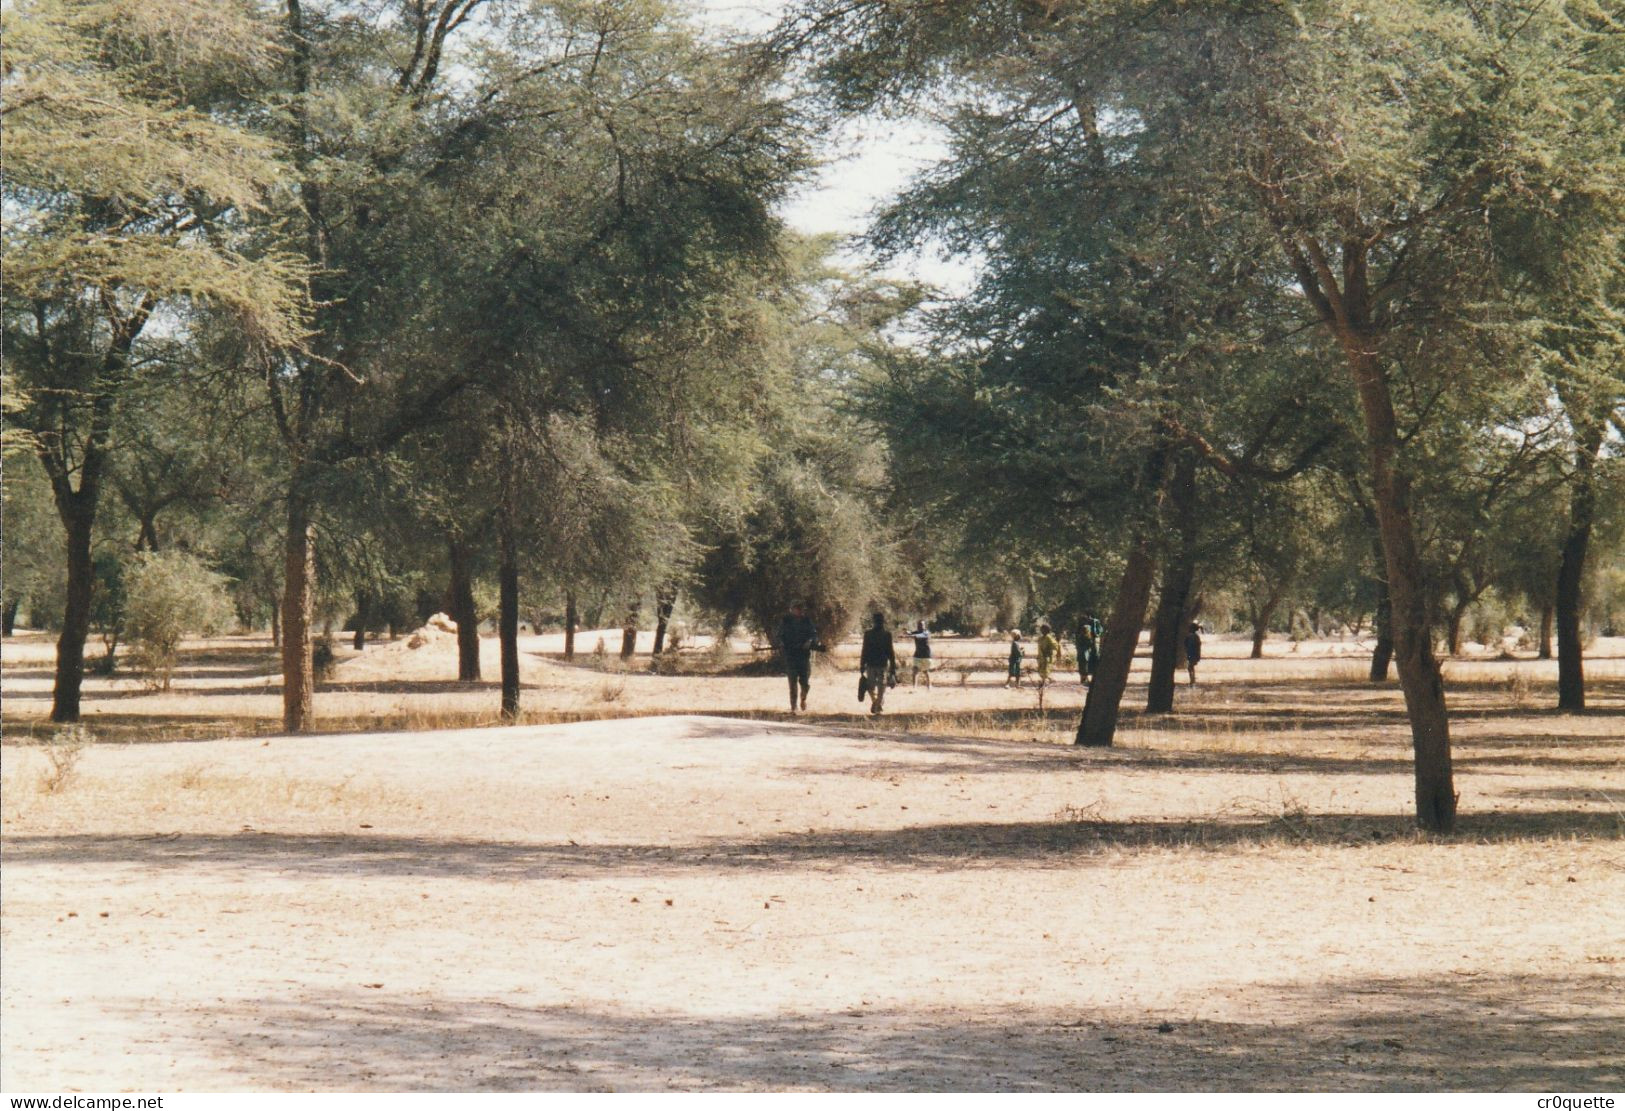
x: 323, y: 657
x: 169, y: 595
x: 1301, y: 628
x: 62, y: 753
x: 1487, y: 620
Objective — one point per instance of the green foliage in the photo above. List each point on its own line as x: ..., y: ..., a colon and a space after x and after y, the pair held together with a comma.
x: 128, y: 168
x: 168, y: 596
x: 815, y: 523
x: 137, y: 175
x: 34, y: 574
x: 806, y: 539
x: 1129, y: 173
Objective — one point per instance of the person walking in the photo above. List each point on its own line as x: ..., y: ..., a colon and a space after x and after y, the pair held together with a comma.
x: 1088, y: 648
x: 1012, y: 675
x: 798, y: 636
x: 1048, y: 650
x: 1193, y: 650
x: 878, y: 661
x: 922, y: 655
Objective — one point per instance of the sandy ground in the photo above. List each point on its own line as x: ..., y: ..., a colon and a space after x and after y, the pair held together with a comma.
x: 232, y: 686
x: 1231, y: 901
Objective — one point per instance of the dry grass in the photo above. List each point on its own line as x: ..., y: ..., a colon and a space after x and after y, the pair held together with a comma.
x: 229, y: 687
x: 1310, y: 709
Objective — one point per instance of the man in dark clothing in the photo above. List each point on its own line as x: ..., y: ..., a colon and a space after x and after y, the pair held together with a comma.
x: 879, y: 661
x: 1089, y: 630
x: 797, y: 638
x: 1193, y: 650
x: 922, y: 655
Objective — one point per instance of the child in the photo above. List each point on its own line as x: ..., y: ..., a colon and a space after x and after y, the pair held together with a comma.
x: 1016, y: 655
x: 1048, y: 649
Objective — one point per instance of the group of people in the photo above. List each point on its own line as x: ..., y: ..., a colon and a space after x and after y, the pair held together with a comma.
x: 1048, y: 647
x: 877, y: 660
x: 1089, y: 634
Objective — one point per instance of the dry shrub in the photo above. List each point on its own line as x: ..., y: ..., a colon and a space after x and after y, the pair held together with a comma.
x: 62, y: 753
x: 1286, y: 814
x: 1086, y: 813
x: 1518, y: 688
x: 612, y: 691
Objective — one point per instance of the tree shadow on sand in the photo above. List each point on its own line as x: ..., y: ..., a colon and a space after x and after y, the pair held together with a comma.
x: 943, y: 754
x: 1062, y: 842
x: 1454, y: 1032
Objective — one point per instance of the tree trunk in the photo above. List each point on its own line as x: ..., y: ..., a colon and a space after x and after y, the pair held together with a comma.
x: 298, y: 592
x: 77, y: 508
x: 361, y: 617
x: 147, y: 540
x: 1383, y: 653
x: 508, y: 619
x: 276, y: 623
x: 461, y: 600
x: 1453, y: 629
x: 665, y: 602
x: 1261, y: 618
x: 1344, y: 303
x: 569, y: 624
x: 109, y: 661
x: 595, y: 612
x: 8, y: 617
x: 1117, y: 644
x: 1166, y: 638
x: 1413, y: 638
x: 1571, y: 688
x: 70, y: 646
x: 1546, y: 613
x: 629, y: 633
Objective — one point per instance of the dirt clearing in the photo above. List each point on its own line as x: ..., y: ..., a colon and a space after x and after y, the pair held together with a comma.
x: 722, y: 904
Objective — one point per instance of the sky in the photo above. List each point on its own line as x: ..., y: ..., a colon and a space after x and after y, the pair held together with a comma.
x: 865, y: 163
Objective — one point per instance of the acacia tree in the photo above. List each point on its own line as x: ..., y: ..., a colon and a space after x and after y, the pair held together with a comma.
x: 132, y: 174
x: 1114, y: 384
x: 482, y: 187
x: 1284, y: 529
x: 1383, y: 153
x: 808, y: 518
x: 619, y: 217
x: 1588, y: 447
x: 1586, y: 369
